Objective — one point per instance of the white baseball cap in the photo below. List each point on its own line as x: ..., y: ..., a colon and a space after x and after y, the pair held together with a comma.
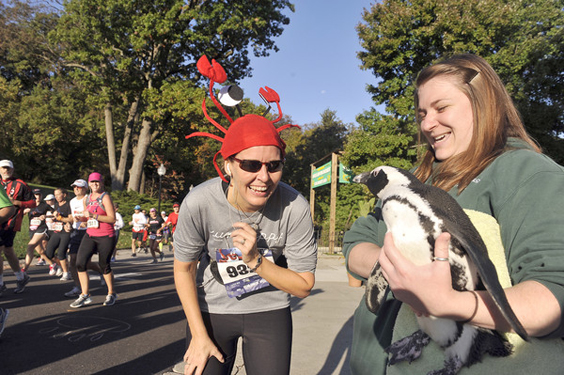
x: 49, y: 197
x: 80, y: 183
x: 6, y: 163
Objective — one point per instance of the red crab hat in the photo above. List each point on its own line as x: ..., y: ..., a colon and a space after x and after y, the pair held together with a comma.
x: 247, y: 131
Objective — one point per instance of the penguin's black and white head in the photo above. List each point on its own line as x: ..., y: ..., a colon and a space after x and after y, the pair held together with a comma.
x: 382, y: 177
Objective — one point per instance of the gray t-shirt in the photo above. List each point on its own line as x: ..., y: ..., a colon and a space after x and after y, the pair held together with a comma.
x: 205, y: 224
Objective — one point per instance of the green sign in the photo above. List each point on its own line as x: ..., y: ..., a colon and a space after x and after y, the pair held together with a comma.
x: 321, y: 176
x: 345, y: 174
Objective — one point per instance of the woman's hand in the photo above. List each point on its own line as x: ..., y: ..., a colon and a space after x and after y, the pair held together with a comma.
x: 428, y: 288
x: 198, y: 354
x: 245, y: 239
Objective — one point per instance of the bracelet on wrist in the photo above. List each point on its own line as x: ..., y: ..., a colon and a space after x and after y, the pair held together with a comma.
x: 475, y: 308
x: 259, y: 262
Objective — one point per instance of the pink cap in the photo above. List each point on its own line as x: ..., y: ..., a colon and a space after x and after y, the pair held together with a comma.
x: 95, y: 176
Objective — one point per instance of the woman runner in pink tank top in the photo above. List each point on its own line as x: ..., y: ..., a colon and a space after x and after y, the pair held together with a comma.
x: 99, y: 238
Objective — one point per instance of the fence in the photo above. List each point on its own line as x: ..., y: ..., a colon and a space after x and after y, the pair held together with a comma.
x: 322, y: 236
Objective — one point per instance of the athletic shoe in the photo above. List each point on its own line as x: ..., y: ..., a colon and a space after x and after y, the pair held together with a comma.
x: 154, y: 261
x: 20, y: 284
x: 134, y: 254
x: 102, y: 280
x: 81, y: 301
x: 59, y: 272
x: 162, y: 256
x: 3, y: 288
x: 75, y: 292
x: 41, y: 262
x: 110, y: 299
x: 52, y: 269
x: 3, y: 317
x: 66, y: 277
x: 113, y: 259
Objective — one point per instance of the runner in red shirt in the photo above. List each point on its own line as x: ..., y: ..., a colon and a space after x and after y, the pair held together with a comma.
x: 171, y: 221
x: 22, y: 197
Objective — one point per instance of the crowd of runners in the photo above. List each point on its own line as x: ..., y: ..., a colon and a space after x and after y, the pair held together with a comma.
x: 64, y: 234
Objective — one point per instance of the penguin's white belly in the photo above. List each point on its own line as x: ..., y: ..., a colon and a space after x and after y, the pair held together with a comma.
x: 410, y: 236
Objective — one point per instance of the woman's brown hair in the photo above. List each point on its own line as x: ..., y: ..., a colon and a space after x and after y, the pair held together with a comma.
x: 495, y: 120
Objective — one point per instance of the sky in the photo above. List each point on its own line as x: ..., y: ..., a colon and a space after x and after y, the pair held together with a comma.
x: 316, y: 67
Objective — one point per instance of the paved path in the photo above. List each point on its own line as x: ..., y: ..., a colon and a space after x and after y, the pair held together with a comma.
x: 144, y: 332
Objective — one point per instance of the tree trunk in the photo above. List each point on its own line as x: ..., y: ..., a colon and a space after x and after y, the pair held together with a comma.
x: 119, y: 180
x: 109, y: 122
x: 140, y: 154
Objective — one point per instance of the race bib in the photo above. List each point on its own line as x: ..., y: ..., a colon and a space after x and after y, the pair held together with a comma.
x: 92, y: 224
x: 57, y: 226
x: 237, y: 276
x: 152, y: 236
x: 34, y: 223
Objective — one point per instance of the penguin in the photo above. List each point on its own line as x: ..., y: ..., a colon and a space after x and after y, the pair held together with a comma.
x: 417, y: 214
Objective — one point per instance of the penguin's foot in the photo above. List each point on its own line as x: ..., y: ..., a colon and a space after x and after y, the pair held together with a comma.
x: 452, y: 366
x: 376, y: 286
x: 409, y: 348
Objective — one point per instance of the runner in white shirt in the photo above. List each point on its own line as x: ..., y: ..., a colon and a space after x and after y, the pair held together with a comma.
x: 138, y: 221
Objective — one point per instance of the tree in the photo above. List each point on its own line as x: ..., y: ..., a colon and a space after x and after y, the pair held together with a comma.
x: 380, y: 140
x: 317, y: 140
x: 522, y: 40
x: 45, y: 129
x: 139, y: 58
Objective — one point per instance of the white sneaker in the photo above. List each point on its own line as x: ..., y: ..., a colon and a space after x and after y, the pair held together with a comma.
x: 81, y: 301
x: 66, y: 277
x: 52, y: 269
x: 75, y: 292
x: 59, y: 272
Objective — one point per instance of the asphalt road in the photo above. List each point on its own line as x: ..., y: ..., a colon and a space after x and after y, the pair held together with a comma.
x: 143, y: 333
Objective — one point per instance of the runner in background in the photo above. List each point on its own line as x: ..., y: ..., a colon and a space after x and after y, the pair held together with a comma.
x: 171, y: 222
x: 21, y: 197
x: 61, y: 232
x: 165, y: 232
x: 54, y: 268
x: 154, y: 224
x: 7, y: 210
x: 138, y: 221
x: 37, y: 230
x: 117, y: 227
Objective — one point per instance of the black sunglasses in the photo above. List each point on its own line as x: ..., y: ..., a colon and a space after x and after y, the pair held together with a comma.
x: 253, y: 166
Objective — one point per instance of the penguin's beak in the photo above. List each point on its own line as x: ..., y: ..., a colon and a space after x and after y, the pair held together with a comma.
x: 362, y: 178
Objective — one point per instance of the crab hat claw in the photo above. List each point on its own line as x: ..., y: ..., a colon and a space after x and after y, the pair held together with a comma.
x: 269, y: 95
x: 213, y: 71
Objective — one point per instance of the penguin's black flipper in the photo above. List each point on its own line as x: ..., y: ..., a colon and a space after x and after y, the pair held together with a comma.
x: 460, y: 227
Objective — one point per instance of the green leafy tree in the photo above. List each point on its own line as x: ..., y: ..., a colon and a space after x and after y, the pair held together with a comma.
x: 46, y: 129
x: 315, y: 142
